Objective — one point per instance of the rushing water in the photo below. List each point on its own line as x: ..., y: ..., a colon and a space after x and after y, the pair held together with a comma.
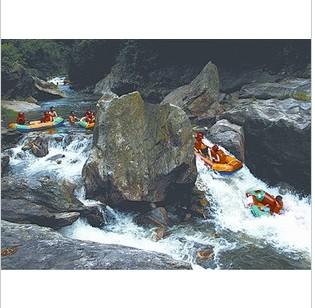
x: 239, y: 239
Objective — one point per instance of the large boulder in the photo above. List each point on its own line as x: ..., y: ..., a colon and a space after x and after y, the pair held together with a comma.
x: 19, y: 106
x: 55, y: 196
x: 23, y: 211
x: 139, y: 151
x: 46, y: 202
x: 230, y: 136
x: 46, y: 90
x: 200, y: 98
x: 278, y: 139
x: 298, y: 88
x: 39, y: 146
x: 25, y: 246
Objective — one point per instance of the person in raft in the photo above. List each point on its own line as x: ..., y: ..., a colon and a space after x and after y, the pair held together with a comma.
x: 47, y: 117
x: 21, y: 118
x: 52, y: 112
x: 72, y: 118
x: 260, y: 197
x: 217, y: 155
x: 91, y: 118
x: 200, y: 147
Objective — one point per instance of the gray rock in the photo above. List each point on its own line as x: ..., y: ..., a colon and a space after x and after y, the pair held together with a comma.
x: 20, y: 106
x: 299, y: 89
x: 55, y: 196
x: 278, y: 139
x: 46, y: 90
x: 200, y: 98
x: 51, y: 196
x: 157, y: 217
x: 56, y: 157
x: 34, y: 247
x: 39, y: 146
x: 23, y: 211
x: 5, y: 160
x: 139, y: 150
x: 230, y: 136
x: 9, y: 138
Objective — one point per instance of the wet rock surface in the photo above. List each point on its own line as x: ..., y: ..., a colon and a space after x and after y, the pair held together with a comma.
x: 230, y: 136
x: 23, y: 211
x: 41, y: 248
x: 278, y: 139
x: 139, y: 151
x: 39, y: 146
x: 45, y: 90
x: 157, y: 217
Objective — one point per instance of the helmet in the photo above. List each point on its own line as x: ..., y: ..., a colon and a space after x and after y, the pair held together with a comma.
x: 215, y: 147
x: 279, y: 198
x: 199, y: 135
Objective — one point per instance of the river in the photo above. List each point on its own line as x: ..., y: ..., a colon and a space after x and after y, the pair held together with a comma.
x: 240, y: 241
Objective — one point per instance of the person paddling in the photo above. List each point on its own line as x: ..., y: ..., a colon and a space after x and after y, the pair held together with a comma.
x: 47, y: 117
x: 52, y: 112
x: 72, y: 118
x: 21, y: 118
x: 261, y: 197
x: 217, y: 155
x: 200, y: 147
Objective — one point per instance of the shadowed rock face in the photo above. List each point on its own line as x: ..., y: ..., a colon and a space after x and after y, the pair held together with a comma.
x: 278, y: 139
x: 199, y: 99
x: 32, y: 247
x: 139, y: 150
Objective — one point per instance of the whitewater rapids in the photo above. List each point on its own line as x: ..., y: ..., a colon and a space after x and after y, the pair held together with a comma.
x: 288, y: 234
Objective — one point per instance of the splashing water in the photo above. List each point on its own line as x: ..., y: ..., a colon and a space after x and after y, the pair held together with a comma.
x: 287, y: 232
x: 75, y: 154
x: 290, y: 230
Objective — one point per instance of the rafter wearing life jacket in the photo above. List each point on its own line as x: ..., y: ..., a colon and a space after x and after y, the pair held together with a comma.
x: 21, y: 118
x: 217, y: 155
x: 261, y: 197
x: 199, y: 145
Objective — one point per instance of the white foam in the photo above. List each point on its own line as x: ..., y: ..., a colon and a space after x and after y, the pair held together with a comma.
x: 291, y: 230
x: 70, y: 168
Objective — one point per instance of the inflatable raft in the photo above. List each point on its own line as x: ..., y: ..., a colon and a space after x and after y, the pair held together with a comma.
x: 85, y: 124
x: 230, y: 166
x: 37, y: 125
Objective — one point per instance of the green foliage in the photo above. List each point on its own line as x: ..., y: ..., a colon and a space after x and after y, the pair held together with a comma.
x: 302, y: 96
x: 44, y: 57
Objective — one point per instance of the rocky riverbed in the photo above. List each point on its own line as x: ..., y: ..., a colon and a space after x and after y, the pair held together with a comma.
x: 133, y: 188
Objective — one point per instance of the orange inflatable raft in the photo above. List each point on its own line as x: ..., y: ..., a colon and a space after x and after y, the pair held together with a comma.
x: 231, y: 164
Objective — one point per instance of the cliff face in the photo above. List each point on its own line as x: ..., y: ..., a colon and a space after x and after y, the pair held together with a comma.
x: 156, y: 67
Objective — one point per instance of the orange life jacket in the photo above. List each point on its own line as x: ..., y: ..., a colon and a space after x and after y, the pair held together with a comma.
x: 21, y: 120
x: 218, y: 156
